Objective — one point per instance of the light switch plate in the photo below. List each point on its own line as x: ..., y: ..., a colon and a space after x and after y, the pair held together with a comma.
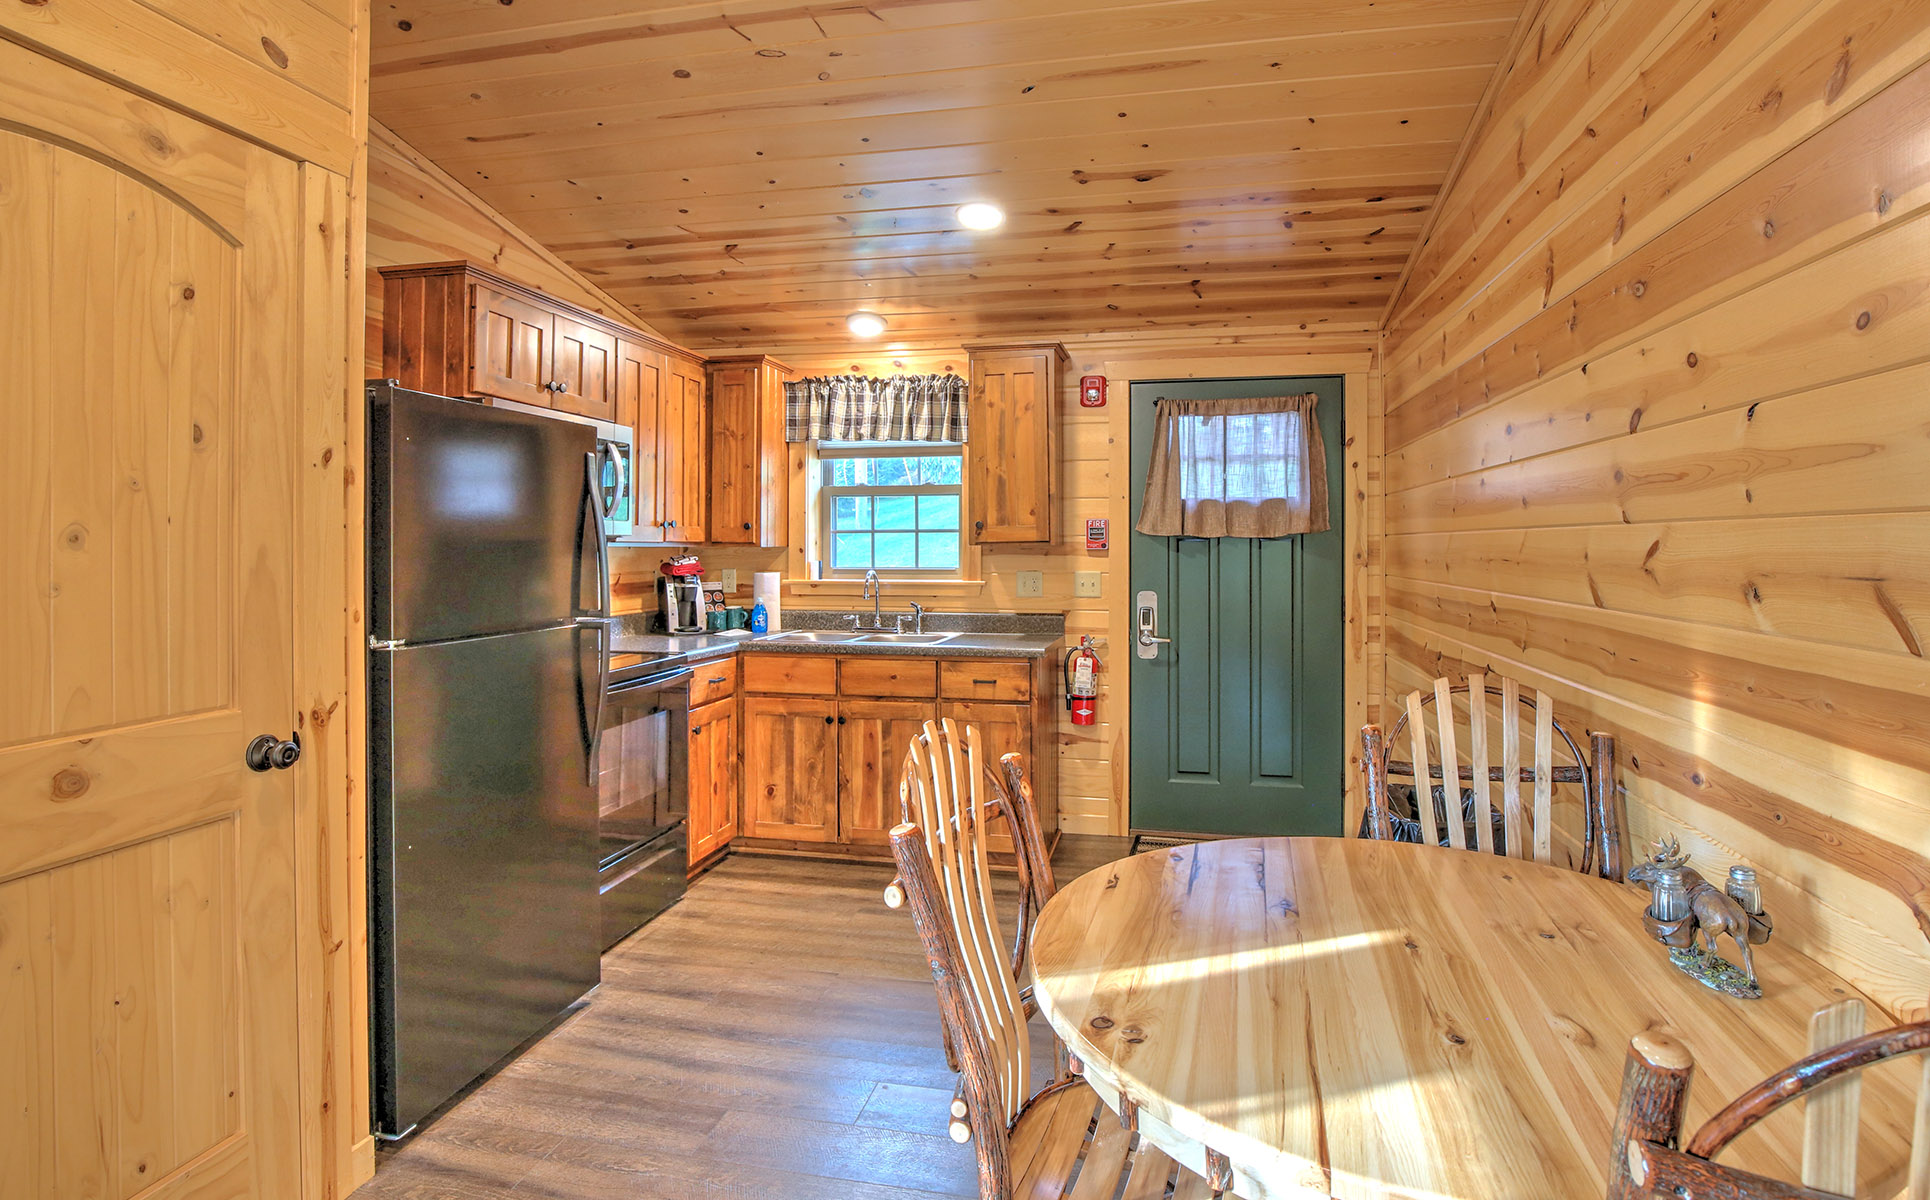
x: 1031, y: 583
x: 730, y: 581
x: 1085, y: 583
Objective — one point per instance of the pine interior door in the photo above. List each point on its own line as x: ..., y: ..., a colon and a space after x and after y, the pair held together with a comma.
x: 150, y: 270
x: 1237, y: 724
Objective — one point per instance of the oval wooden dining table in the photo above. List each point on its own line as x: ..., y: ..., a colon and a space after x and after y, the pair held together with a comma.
x: 1366, y: 1019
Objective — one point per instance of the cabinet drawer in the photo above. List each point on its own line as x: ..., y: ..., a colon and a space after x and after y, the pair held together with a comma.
x: 791, y: 674
x: 972, y: 679
x: 907, y: 677
x: 714, y: 680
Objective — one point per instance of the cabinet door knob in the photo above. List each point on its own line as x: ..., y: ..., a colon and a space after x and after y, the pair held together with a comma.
x: 747, y: 524
x: 840, y: 720
x: 828, y: 720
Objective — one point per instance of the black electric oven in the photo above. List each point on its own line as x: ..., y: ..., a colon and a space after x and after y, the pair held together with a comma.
x: 643, y: 799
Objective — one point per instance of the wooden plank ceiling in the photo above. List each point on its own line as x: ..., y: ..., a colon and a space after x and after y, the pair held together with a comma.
x: 750, y: 178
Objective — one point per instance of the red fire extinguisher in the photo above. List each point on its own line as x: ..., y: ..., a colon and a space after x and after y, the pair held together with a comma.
x: 1082, y: 683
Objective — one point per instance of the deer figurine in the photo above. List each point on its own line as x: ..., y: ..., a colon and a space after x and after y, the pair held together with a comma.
x: 1710, y: 912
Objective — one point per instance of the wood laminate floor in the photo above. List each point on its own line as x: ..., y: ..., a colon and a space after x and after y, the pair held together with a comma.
x: 772, y: 1037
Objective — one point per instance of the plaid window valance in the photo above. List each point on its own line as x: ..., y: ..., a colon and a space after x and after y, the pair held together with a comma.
x: 861, y: 408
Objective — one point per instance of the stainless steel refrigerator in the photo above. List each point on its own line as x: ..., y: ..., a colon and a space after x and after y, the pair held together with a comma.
x: 488, y: 573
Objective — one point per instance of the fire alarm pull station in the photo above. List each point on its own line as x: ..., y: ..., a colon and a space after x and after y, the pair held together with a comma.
x: 1096, y: 533
x: 1092, y: 391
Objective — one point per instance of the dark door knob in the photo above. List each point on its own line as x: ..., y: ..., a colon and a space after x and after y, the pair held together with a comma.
x: 747, y: 524
x: 270, y: 753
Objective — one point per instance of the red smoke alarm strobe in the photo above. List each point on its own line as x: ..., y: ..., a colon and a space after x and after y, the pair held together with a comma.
x: 1092, y: 391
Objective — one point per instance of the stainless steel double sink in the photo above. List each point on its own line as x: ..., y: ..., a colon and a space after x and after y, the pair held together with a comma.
x: 842, y: 636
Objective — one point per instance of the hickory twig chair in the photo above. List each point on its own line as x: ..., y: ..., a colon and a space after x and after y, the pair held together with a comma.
x: 1524, y: 832
x: 1057, y: 1142
x: 1012, y: 798
x: 1647, y: 1156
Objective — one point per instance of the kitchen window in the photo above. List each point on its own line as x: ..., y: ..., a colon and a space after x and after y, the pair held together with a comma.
x: 891, y: 507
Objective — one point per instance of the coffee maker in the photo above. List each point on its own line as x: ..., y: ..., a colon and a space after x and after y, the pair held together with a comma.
x: 680, y: 595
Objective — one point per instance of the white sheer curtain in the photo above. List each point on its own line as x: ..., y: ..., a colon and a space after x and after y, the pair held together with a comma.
x: 1236, y: 468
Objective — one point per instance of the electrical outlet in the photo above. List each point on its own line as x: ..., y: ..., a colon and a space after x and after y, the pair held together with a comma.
x: 1031, y: 583
x: 1085, y: 583
x: 730, y: 581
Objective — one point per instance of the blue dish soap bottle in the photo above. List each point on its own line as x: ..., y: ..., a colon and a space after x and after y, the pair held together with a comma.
x: 760, y: 619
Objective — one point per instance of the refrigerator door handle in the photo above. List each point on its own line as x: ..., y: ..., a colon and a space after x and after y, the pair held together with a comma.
x: 592, y: 489
x: 593, y: 744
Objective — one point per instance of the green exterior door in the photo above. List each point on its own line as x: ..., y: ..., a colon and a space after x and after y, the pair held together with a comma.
x: 1237, y: 723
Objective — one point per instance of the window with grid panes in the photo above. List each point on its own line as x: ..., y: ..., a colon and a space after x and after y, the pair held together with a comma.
x: 891, y: 507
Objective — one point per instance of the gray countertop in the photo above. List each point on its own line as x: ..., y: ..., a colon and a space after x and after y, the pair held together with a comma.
x: 695, y: 648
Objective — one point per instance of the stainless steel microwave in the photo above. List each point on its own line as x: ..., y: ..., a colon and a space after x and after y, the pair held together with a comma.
x: 616, y: 455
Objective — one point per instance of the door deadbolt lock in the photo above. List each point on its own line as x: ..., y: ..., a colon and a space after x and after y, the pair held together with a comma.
x: 270, y: 753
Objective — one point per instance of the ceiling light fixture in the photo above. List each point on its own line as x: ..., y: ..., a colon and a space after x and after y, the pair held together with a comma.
x: 865, y: 324
x: 981, y: 216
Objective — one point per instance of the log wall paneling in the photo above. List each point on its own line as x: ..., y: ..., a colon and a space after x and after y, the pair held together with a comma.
x: 1653, y: 403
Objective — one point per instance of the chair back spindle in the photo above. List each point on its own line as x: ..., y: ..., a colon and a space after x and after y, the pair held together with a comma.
x: 1478, y: 753
x: 1830, y: 1110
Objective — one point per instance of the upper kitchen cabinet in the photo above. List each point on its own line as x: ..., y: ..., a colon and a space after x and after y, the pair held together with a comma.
x: 457, y: 330
x: 749, y: 460
x: 1011, y: 453
x: 685, y: 452
x: 660, y: 395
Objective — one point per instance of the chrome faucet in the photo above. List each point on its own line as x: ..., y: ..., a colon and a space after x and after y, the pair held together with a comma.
x: 874, y: 591
x: 916, y: 616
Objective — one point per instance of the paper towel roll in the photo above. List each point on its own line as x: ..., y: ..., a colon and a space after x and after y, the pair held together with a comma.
x: 764, y: 590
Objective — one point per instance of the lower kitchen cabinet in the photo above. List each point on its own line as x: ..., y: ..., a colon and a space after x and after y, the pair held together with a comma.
x: 873, y: 737
x: 824, y: 752
x: 713, y: 778
x: 790, y: 759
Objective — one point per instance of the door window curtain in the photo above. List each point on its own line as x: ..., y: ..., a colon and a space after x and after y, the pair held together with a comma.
x: 860, y: 408
x: 1236, y: 468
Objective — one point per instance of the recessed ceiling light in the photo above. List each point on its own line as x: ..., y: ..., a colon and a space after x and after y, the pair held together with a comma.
x: 981, y: 216
x: 865, y: 324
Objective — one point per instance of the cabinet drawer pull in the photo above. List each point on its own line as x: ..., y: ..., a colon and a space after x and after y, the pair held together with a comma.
x: 717, y: 679
x: 987, y: 682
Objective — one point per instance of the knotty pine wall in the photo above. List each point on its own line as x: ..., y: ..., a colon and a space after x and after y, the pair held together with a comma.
x: 1093, y: 482
x: 1656, y: 438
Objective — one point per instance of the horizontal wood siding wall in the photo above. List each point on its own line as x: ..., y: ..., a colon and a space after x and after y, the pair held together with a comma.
x: 419, y: 213
x: 1093, y: 481
x: 1656, y: 437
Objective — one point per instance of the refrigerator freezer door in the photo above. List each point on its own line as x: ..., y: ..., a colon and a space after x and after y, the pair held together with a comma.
x: 482, y: 856
x: 480, y: 519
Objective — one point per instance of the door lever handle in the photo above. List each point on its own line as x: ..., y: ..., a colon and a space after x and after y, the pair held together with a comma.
x: 1148, y: 638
